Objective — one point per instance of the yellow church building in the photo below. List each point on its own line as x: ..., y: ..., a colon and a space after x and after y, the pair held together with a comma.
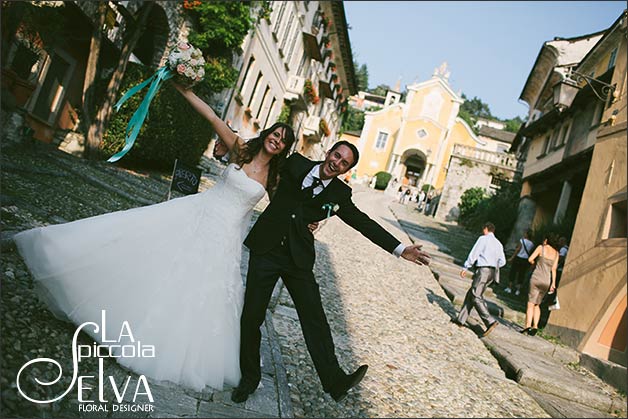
x: 413, y: 140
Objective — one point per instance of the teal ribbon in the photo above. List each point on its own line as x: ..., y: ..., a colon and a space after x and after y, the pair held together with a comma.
x: 328, y: 207
x: 137, y: 120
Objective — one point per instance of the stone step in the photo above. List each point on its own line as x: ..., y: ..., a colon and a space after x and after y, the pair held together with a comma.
x: 527, y: 359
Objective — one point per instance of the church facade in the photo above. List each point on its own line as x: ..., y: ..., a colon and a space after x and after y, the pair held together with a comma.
x: 413, y: 140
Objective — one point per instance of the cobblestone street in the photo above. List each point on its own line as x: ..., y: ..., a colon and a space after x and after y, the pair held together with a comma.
x: 393, y: 316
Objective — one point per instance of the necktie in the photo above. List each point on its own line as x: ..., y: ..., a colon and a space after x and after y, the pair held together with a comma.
x: 308, y: 192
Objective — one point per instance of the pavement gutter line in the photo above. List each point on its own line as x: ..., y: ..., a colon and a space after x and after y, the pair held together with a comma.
x: 281, y: 380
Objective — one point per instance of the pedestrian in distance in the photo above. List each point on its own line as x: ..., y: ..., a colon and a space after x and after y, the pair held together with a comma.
x: 281, y: 245
x: 550, y: 302
x: 485, y: 258
x: 542, y: 281
x: 406, y: 196
x: 519, y: 264
x: 421, y: 200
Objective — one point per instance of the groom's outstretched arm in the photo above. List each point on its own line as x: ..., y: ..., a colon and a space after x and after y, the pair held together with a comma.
x: 361, y: 222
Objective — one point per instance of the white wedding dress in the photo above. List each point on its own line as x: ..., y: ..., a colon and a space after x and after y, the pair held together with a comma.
x: 172, y: 270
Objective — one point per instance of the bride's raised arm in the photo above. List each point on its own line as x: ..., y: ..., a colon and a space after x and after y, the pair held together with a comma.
x: 230, y: 138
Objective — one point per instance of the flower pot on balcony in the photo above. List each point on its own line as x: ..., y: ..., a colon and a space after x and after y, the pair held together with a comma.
x: 322, y: 125
x: 238, y: 98
x: 248, y: 111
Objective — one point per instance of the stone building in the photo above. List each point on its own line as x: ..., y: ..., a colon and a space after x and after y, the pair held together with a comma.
x: 555, y: 145
x: 473, y: 167
x: 575, y: 143
x: 486, y: 166
x: 298, y: 63
x: 43, y: 84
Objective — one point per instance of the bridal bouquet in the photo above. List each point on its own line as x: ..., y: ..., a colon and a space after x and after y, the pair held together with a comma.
x: 186, y: 64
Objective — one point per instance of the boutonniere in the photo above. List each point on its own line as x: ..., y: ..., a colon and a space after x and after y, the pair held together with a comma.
x: 329, y: 207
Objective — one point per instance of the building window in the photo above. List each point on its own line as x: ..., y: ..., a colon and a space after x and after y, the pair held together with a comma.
x: 562, y: 138
x: 270, y: 111
x: 264, y: 102
x: 552, y: 141
x: 382, y: 139
x: 302, y: 64
x: 46, y: 101
x: 546, y: 141
x: 597, y: 115
x: 286, y: 32
x: 611, y: 60
x: 282, y: 8
x: 421, y: 133
x: 246, y: 74
x: 255, y: 89
x: 497, y: 181
x: 616, y: 221
x: 292, y: 44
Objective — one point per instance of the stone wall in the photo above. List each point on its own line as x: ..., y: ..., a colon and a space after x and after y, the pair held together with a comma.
x: 463, y: 174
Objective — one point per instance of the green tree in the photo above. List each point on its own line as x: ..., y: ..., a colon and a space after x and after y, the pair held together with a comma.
x: 172, y: 131
x: 472, y: 109
x: 353, y: 120
x: 219, y: 29
x: 500, y: 208
x: 382, y: 179
x: 469, y: 200
x: 513, y: 124
x: 380, y: 90
x: 361, y: 76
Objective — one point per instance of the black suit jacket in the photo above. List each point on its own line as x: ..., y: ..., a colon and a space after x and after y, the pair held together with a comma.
x: 289, y: 213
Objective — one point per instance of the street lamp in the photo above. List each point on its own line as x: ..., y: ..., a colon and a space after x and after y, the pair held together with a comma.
x: 566, y: 89
x: 564, y: 93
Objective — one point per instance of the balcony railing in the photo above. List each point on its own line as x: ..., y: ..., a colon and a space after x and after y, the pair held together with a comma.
x: 294, y: 92
x: 311, y: 128
x: 504, y: 160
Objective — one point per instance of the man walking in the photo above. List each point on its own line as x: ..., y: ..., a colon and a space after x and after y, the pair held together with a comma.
x: 488, y: 256
x: 281, y: 245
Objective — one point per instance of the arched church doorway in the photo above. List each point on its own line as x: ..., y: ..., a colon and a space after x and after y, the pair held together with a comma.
x: 413, y: 162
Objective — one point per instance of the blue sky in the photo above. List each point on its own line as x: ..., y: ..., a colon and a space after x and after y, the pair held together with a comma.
x: 490, y: 46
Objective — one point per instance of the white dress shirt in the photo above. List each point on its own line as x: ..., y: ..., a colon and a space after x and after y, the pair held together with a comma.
x: 309, y: 178
x: 526, y: 246
x: 316, y: 172
x: 487, y: 251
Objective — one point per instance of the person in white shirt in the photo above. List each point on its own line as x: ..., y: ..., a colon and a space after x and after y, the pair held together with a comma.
x: 487, y: 256
x: 519, y: 263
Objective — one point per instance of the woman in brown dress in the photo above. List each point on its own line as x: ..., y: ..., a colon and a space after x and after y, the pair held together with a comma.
x: 543, y: 279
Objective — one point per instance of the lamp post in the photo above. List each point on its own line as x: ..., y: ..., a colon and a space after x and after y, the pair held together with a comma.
x: 566, y: 89
x: 564, y: 93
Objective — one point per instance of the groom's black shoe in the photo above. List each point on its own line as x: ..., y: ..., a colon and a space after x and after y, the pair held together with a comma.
x: 353, y: 380
x: 242, y: 392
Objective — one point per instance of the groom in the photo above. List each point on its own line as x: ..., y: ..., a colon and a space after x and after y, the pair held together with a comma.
x: 281, y: 245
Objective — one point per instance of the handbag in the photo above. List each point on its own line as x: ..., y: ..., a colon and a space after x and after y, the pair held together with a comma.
x: 555, y: 306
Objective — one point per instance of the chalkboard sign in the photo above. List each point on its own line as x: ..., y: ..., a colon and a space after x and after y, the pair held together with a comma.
x: 185, y: 179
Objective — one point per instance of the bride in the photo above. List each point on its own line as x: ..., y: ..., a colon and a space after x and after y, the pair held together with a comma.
x: 171, y: 270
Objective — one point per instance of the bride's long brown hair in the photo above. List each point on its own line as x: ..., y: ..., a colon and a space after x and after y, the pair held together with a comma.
x: 250, y: 149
